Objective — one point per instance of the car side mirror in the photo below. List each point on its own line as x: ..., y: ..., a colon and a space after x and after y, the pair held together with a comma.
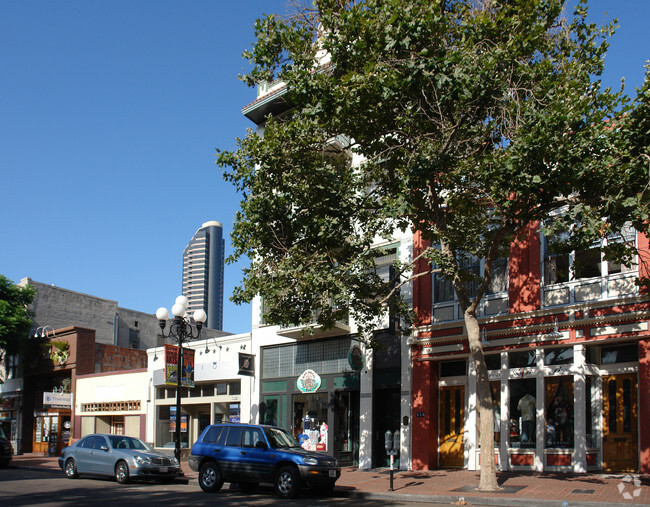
x: 103, y: 448
x: 260, y: 445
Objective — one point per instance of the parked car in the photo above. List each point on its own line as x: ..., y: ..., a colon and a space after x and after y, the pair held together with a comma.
x: 118, y: 456
x: 6, y: 451
x: 249, y: 454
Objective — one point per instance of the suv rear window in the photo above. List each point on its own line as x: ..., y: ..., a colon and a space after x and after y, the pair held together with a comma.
x: 212, y: 435
x: 234, y: 436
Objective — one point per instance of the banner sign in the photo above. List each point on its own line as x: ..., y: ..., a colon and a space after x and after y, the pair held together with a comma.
x: 57, y: 399
x: 246, y: 364
x: 171, y: 365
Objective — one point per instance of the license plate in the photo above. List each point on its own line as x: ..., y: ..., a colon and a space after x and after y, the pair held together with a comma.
x: 332, y: 473
x: 163, y: 470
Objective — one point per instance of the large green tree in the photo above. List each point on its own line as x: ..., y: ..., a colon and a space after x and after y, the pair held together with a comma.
x: 466, y: 120
x: 15, y: 319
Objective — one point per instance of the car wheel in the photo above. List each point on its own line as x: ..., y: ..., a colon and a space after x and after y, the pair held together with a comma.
x: 122, y: 472
x: 71, y: 469
x: 287, y: 482
x: 245, y: 487
x: 210, y: 478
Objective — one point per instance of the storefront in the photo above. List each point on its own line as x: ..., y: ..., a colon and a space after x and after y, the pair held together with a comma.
x: 113, y: 403
x: 557, y: 407
x: 311, y: 389
x: 52, y: 423
x: 215, y: 389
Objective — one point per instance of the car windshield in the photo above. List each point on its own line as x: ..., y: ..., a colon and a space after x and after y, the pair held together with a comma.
x: 280, y: 438
x: 120, y: 442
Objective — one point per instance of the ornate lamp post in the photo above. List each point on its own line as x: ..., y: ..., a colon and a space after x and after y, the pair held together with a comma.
x: 181, y: 330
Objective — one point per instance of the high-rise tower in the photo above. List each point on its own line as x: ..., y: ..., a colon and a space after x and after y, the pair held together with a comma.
x: 203, y: 261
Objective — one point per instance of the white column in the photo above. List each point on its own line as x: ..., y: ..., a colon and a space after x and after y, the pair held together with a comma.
x: 405, y: 409
x: 505, y: 414
x: 579, y: 410
x: 539, y: 407
x: 471, y: 409
x: 365, y: 412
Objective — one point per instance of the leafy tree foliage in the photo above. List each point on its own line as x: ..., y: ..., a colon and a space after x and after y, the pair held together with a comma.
x: 15, y: 319
x: 464, y: 121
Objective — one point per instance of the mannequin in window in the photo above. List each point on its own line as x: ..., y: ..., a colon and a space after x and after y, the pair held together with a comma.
x: 526, y: 406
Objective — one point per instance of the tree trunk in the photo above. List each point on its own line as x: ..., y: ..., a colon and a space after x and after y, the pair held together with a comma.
x: 488, y: 474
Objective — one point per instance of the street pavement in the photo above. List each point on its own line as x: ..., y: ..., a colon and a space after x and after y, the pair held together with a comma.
x: 458, y: 487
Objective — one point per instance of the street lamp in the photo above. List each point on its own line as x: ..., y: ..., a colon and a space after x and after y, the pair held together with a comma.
x: 181, y: 330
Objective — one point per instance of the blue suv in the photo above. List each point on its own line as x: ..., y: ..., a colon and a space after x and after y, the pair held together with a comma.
x: 249, y: 454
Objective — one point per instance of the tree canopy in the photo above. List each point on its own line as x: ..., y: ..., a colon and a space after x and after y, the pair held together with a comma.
x: 15, y: 319
x: 464, y: 121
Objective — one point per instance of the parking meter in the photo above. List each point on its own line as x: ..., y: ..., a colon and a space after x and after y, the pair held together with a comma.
x: 388, y: 441
x: 396, y: 443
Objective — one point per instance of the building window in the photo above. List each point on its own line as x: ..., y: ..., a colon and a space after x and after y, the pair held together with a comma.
x: 556, y: 268
x: 453, y: 368
x: 555, y: 356
x: 559, y: 412
x: 587, y: 263
x: 443, y: 289
x: 11, y: 367
x: 523, y: 393
x: 619, y: 354
x: 499, y: 280
x: 521, y: 359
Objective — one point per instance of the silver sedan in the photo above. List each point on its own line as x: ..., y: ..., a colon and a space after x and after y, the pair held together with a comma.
x: 117, y: 456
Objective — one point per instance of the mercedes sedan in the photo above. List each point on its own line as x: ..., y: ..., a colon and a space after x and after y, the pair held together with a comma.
x: 117, y: 456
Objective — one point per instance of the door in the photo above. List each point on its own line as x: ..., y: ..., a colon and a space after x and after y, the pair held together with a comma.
x: 620, y: 435
x: 452, y: 426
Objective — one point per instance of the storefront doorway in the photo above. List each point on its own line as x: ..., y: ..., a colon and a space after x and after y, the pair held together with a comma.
x: 452, y: 426
x: 620, y: 435
x: 346, y: 427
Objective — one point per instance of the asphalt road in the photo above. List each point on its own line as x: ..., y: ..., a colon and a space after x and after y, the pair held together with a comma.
x: 51, y: 488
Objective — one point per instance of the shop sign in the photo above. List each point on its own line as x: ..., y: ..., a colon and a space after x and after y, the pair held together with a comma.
x: 246, y: 365
x: 356, y: 359
x: 309, y: 381
x: 57, y: 399
x: 171, y: 365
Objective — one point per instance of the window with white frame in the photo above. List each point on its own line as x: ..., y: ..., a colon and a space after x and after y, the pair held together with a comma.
x: 560, y: 267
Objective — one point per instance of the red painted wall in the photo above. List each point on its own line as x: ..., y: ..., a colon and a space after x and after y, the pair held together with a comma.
x: 524, y: 271
x: 421, y: 285
x: 644, y: 405
x: 425, y: 402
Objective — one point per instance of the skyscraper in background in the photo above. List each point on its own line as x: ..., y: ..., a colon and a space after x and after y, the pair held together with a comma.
x: 203, y: 262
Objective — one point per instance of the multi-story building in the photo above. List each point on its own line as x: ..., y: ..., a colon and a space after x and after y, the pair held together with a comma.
x: 57, y: 307
x: 325, y: 384
x: 203, y: 266
x: 567, y: 347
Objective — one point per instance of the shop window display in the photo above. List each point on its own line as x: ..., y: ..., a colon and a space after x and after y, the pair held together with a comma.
x: 310, y: 421
x: 522, y: 412
x: 559, y: 412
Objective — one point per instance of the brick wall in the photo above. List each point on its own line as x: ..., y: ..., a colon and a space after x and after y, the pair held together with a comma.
x: 112, y: 358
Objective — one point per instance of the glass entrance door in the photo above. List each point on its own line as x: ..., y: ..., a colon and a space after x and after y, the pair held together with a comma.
x: 452, y: 426
x: 620, y: 435
x: 346, y: 427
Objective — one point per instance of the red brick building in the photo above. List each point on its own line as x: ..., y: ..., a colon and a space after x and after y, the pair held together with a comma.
x: 567, y: 345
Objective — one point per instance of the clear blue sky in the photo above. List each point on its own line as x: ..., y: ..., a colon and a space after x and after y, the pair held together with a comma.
x: 110, y: 113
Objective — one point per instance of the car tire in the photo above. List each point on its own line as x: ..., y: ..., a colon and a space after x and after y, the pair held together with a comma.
x: 71, y: 469
x: 246, y: 487
x: 210, y: 478
x: 287, y: 482
x: 122, y: 472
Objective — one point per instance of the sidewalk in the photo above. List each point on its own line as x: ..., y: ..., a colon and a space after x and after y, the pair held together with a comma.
x: 457, y: 486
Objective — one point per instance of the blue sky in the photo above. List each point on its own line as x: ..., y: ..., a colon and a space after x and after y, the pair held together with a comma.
x: 110, y: 113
